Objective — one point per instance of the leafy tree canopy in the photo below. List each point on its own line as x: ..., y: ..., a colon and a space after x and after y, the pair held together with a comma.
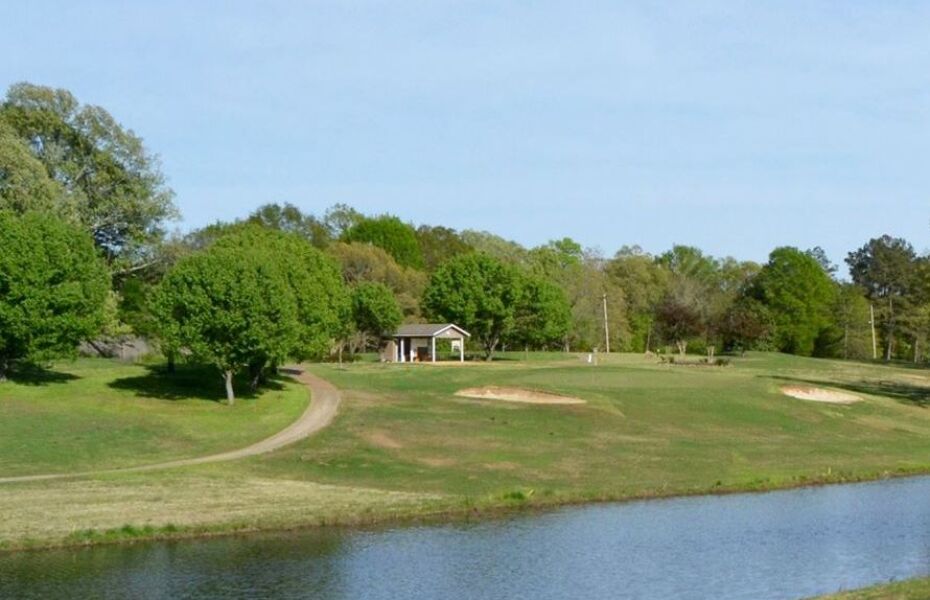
x: 364, y: 262
x: 112, y: 182
x: 315, y: 281
x: 543, y: 316
x: 24, y: 182
x: 53, y: 288
x: 290, y: 219
x: 230, y: 306
x: 439, y: 244
x: 391, y: 235
x: 477, y: 292
x: 799, y: 294
x: 375, y: 310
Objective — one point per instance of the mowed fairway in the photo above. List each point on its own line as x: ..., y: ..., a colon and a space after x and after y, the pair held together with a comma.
x: 403, y: 444
x: 100, y: 414
x: 646, y: 429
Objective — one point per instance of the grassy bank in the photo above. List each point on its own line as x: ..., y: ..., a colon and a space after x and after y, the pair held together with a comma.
x: 405, y: 446
x: 98, y: 414
x: 916, y: 589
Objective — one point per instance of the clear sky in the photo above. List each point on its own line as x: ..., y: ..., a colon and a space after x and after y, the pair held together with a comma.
x: 733, y: 126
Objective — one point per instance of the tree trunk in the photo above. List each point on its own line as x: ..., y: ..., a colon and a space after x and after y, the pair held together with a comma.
x: 682, y: 347
x: 256, y: 374
x: 171, y: 366
x: 889, y: 347
x: 99, y: 349
x: 489, y: 347
x: 4, y: 367
x: 230, y: 395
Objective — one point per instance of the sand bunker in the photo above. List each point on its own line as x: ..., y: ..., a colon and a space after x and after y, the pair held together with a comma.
x: 819, y: 394
x: 509, y: 394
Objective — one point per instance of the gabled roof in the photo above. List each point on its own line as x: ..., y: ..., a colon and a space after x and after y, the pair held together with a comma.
x: 426, y: 330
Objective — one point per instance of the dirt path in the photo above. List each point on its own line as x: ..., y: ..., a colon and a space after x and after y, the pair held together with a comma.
x: 324, y: 403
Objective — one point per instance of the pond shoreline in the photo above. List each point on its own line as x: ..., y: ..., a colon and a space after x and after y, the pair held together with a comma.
x: 451, y: 510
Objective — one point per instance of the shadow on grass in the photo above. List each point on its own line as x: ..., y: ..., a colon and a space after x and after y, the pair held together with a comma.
x: 189, y: 382
x: 37, y: 375
x: 905, y: 393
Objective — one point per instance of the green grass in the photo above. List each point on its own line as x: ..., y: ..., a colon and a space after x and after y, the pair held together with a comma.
x: 647, y: 429
x: 915, y: 589
x: 404, y: 445
x: 98, y: 414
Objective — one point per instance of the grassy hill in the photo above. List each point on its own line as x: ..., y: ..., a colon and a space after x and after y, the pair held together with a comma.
x: 405, y: 444
x: 99, y: 414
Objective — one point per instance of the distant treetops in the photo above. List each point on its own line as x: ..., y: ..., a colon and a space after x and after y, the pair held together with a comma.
x: 83, y: 253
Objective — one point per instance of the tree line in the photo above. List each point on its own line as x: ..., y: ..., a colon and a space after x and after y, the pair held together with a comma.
x: 85, y: 253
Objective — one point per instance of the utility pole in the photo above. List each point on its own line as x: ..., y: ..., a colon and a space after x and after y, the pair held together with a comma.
x: 606, y: 328
x: 872, y: 324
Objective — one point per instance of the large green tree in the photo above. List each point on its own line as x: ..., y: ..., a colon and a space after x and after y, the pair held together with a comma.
x: 543, y: 316
x: 644, y: 283
x: 679, y: 314
x: 583, y: 279
x: 24, y: 182
x: 113, y: 183
x: 323, y: 305
x: 885, y: 268
x: 230, y: 306
x: 439, y: 244
x: 391, y: 235
x: 290, y: 219
x: 53, y: 287
x: 375, y: 311
x: 477, y: 292
x: 799, y: 294
x: 364, y: 262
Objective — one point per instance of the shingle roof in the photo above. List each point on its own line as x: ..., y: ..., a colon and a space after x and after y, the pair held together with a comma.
x: 426, y: 329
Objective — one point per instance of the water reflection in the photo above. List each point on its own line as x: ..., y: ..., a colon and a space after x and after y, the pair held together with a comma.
x: 779, y: 545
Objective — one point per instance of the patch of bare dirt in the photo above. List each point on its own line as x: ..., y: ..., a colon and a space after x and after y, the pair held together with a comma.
x: 379, y: 438
x: 815, y: 394
x: 510, y: 394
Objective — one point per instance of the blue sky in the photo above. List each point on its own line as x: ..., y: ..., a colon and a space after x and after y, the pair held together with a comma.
x: 733, y: 126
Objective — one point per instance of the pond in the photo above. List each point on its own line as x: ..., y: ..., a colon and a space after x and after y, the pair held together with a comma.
x: 788, y: 544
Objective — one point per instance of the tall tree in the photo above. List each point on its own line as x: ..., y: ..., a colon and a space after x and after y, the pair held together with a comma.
x: 679, y: 314
x: 114, y: 184
x: 231, y: 307
x: 288, y: 218
x: 885, y: 267
x: 799, y: 295
x: 477, y: 292
x: 543, y: 316
x: 375, y: 311
x: 391, y: 235
x: 496, y: 246
x: 53, y: 287
x: 363, y: 262
x: 439, y: 244
x: 746, y: 325
x: 323, y: 305
x: 24, y: 182
x: 644, y: 283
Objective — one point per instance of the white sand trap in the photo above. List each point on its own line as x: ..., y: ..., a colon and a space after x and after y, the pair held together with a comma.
x: 819, y: 394
x: 508, y: 394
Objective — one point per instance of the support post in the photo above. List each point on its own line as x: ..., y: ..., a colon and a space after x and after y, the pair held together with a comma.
x: 461, y: 349
x: 432, y: 349
x: 403, y: 354
x: 606, y: 328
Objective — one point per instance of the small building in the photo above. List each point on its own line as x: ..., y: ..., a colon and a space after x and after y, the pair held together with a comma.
x: 417, y: 343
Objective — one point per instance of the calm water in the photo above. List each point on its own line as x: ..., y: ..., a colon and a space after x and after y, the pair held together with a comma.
x: 779, y: 545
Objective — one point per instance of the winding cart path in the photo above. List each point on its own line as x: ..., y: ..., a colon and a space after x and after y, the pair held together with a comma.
x: 324, y: 403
